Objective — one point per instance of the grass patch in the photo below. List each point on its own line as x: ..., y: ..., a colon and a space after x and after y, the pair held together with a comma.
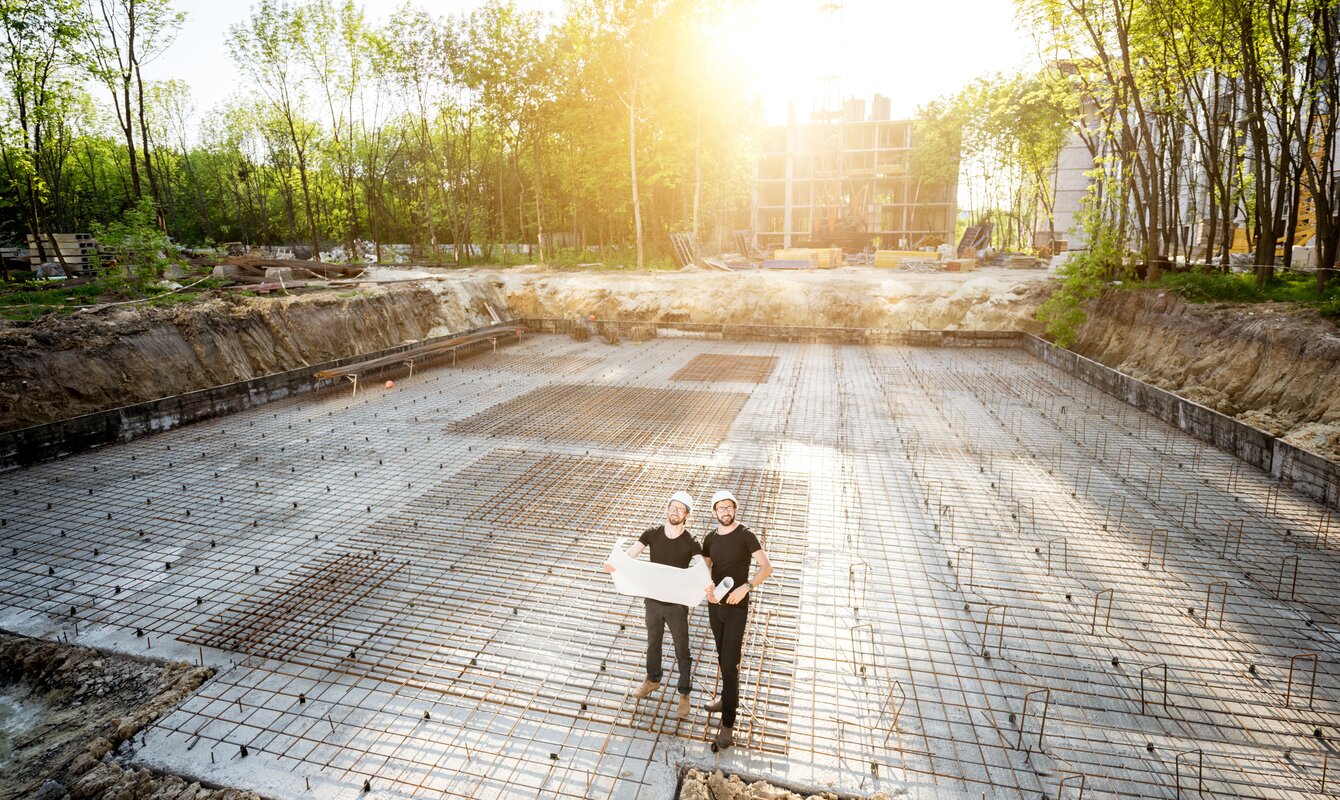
x: 27, y: 300
x: 1233, y: 287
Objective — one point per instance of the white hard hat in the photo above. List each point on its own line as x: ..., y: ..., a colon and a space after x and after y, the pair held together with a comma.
x: 682, y: 497
x: 724, y: 495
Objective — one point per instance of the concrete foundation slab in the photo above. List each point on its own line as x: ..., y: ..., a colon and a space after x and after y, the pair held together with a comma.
x: 992, y: 578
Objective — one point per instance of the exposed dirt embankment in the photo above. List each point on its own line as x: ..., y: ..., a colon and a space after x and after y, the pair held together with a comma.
x: 86, y: 708
x: 1270, y: 366
x: 849, y: 298
x: 62, y: 367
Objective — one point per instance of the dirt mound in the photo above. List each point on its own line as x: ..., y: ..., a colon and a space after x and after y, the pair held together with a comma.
x: 858, y: 298
x: 1273, y: 366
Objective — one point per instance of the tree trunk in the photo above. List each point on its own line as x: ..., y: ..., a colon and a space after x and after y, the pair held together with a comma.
x: 697, y: 165
x: 154, y: 190
x: 632, y: 169
x: 539, y: 200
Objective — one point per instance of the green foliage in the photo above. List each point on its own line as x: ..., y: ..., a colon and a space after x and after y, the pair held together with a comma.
x: 141, y: 251
x: 1000, y: 137
x: 1212, y: 287
x: 1203, y: 286
x: 1083, y: 277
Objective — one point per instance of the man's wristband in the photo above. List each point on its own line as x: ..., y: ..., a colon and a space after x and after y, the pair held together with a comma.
x: 750, y: 584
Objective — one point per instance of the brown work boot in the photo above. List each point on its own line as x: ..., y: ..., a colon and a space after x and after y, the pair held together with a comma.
x: 645, y: 689
x: 714, y: 707
x: 682, y: 711
x: 725, y: 738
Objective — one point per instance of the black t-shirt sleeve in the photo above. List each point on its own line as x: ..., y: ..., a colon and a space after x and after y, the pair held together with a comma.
x: 696, y: 549
x: 706, y: 548
x: 647, y: 536
x: 752, y: 542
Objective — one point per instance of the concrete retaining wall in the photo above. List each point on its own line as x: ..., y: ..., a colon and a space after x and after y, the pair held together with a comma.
x: 38, y: 443
x: 1305, y: 471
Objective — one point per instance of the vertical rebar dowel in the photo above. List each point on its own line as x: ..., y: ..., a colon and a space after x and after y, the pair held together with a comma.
x: 863, y: 649
x: 856, y: 583
x: 1223, y: 601
x: 1237, y: 541
x: 1154, y: 483
x: 1061, y: 786
x: 1065, y: 554
x: 897, y: 710
x: 1312, y: 683
x: 1293, y: 581
x: 986, y: 630
x: 1163, y: 681
x: 1323, y: 527
x: 1120, y: 519
x: 958, y: 567
x: 353, y: 378
x: 1023, y: 716
x: 1107, y: 620
x: 932, y: 486
x: 1082, y: 480
x: 1193, y: 500
x: 1200, y: 770
x: 1154, y: 536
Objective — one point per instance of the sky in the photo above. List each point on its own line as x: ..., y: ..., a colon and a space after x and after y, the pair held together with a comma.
x: 911, y: 52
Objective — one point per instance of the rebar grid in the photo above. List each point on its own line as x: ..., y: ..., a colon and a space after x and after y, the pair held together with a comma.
x: 713, y: 368
x: 991, y: 578
x: 612, y: 416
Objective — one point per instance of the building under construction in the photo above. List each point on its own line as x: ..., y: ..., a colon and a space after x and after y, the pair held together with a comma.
x: 847, y: 180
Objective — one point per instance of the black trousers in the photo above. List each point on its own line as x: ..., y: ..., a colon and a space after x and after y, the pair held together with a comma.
x: 728, y: 623
x: 676, y: 617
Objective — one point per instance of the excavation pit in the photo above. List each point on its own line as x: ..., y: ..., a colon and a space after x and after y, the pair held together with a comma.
x: 991, y: 577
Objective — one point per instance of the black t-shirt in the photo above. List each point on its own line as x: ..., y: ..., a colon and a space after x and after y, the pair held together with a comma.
x: 676, y: 552
x: 731, y: 553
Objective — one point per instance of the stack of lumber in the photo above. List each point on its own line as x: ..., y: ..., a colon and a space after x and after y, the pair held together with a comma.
x: 893, y: 258
x: 820, y: 257
x: 77, y: 249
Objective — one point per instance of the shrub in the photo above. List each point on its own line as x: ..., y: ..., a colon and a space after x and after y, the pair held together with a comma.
x: 1083, y: 277
x: 135, y: 242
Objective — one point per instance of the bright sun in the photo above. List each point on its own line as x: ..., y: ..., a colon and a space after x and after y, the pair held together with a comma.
x: 785, y: 45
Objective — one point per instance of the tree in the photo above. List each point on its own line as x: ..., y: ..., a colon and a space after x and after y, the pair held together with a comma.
x: 265, y: 48
x: 35, y: 61
x: 132, y: 33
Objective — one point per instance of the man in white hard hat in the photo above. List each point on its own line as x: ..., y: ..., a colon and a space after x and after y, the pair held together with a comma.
x: 673, y: 545
x: 728, y: 551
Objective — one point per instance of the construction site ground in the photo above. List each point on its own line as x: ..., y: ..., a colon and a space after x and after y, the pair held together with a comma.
x: 991, y: 578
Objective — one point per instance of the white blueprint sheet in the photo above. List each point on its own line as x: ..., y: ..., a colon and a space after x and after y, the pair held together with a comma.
x: 658, y: 581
